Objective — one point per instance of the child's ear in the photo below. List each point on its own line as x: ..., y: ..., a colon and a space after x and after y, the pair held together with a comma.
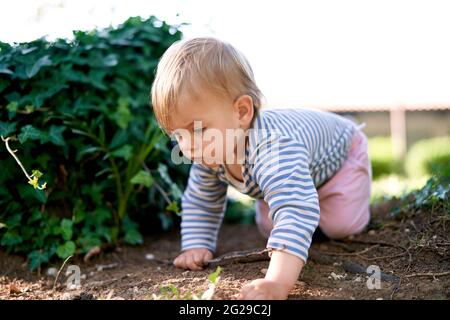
x: 244, y: 107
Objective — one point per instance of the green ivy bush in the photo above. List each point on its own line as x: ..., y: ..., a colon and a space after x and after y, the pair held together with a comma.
x: 382, y: 159
x: 429, y: 156
x: 79, y: 111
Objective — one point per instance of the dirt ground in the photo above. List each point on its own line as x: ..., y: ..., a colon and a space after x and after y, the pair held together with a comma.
x: 412, y: 253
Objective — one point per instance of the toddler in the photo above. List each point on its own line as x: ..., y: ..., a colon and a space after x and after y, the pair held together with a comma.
x: 306, y: 168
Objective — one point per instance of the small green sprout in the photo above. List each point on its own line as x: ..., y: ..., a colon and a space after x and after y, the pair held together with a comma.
x: 170, y: 291
x: 33, y: 179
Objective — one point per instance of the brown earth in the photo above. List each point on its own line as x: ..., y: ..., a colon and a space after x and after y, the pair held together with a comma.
x: 412, y: 253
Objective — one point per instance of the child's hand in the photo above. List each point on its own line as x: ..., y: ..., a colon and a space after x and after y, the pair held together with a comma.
x: 193, y: 259
x: 262, y: 289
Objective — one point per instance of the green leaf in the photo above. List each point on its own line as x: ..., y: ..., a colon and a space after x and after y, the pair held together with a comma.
x: 37, y: 258
x: 99, y: 216
x: 213, y: 277
x: 143, y: 177
x: 173, y: 207
x: 31, y: 133
x: 110, y: 60
x: 6, y: 128
x: 11, y: 238
x: 66, y: 229
x: 55, y: 135
x: 122, y: 116
x: 32, y: 70
x: 27, y: 192
x: 94, y: 191
x: 88, y: 241
x: 40, y: 195
x: 163, y: 172
x: 12, y: 106
x: 133, y: 236
x: 125, y: 152
x: 14, y: 221
x: 5, y: 70
x: 166, y: 221
x: 79, y: 216
x: 87, y: 150
x: 119, y: 138
x: 35, y: 216
x: 66, y: 249
x: 36, y: 173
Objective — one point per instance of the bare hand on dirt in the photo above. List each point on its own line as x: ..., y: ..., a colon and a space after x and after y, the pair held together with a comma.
x: 193, y: 259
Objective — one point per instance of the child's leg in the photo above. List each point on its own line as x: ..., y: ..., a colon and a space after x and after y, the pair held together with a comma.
x: 349, y: 190
x: 344, y: 199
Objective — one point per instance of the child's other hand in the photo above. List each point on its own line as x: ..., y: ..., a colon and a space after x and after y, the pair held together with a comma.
x: 262, y: 289
x: 193, y: 259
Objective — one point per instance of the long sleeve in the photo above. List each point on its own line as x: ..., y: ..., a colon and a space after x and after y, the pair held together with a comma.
x: 281, y: 169
x: 203, y: 205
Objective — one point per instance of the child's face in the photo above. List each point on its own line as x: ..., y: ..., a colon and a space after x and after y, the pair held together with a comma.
x: 208, y: 128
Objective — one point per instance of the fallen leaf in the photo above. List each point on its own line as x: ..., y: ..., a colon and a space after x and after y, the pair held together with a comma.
x: 13, y: 289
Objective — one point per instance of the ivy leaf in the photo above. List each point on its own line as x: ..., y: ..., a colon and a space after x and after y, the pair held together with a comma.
x: 32, y: 70
x: 31, y: 133
x: 125, y: 152
x: 144, y: 178
x: 55, y: 135
x: 6, y: 128
x: 133, y: 236
x: 12, y: 106
x: 5, y: 70
x: 173, y: 206
x: 27, y: 50
x: 37, y: 257
x: 110, y: 60
x: 36, y: 173
x: 66, y: 249
x: 14, y: 221
x: 26, y: 193
x: 99, y: 216
x: 66, y: 229
x: 122, y: 116
x: 11, y: 238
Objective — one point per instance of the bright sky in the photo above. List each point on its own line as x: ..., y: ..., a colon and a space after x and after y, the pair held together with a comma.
x: 304, y: 53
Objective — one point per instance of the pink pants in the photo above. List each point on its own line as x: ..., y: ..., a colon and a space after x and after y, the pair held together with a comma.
x: 343, y: 200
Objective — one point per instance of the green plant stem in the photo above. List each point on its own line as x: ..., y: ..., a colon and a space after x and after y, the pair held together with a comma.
x: 12, y: 152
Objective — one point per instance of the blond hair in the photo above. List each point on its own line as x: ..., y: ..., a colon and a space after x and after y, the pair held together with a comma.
x: 202, y: 62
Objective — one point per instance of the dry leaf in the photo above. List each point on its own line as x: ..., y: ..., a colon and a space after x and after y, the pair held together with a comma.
x: 13, y: 289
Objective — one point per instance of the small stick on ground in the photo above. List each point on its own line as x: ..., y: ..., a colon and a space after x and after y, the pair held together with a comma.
x: 60, y: 269
x: 239, y: 257
x: 428, y: 274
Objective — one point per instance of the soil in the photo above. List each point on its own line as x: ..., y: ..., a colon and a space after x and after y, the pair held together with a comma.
x: 411, y: 251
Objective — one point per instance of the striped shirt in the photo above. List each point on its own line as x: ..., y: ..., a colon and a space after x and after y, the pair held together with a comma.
x: 289, y: 154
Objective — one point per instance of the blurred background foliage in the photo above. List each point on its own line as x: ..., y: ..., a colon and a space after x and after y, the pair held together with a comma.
x: 425, y: 158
